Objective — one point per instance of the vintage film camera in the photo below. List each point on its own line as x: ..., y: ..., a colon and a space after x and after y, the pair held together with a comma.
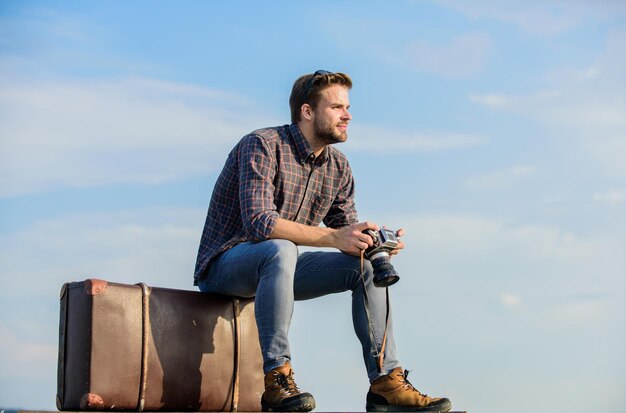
x: 378, y: 254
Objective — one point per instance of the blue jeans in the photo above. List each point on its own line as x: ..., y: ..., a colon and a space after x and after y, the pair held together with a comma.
x: 276, y: 274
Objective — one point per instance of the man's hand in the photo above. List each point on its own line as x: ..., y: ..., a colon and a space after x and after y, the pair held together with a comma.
x: 351, y: 239
x: 399, y: 233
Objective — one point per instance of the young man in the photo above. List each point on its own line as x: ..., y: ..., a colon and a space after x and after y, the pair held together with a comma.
x: 277, y: 186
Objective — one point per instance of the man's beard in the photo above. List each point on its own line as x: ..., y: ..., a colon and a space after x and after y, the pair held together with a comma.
x: 327, y: 134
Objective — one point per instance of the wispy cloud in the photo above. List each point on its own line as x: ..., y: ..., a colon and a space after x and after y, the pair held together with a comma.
x: 25, y: 358
x: 614, y: 196
x: 510, y: 300
x: 500, y: 179
x: 156, y: 246
x: 581, y: 106
x: 538, y: 17
x: 462, y: 57
x: 370, y: 138
x: 551, y: 266
x: 395, y: 42
x: 66, y: 133
x: 58, y: 134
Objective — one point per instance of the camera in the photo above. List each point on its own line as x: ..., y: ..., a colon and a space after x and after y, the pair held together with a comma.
x: 378, y: 254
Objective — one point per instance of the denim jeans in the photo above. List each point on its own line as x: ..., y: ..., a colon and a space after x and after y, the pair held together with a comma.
x: 276, y: 274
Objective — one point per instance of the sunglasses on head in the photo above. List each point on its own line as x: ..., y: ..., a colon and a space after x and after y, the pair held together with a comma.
x: 309, y: 84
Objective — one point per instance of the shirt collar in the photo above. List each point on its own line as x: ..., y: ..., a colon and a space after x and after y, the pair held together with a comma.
x: 305, y: 153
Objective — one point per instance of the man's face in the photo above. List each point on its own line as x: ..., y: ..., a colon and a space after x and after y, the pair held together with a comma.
x: 332, y: 116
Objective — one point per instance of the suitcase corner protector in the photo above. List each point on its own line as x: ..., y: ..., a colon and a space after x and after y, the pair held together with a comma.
x: 94, y: 286
x: 91, y: 401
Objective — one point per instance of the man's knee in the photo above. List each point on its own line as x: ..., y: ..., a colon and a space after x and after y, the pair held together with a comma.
x: 281, y: 252
x: 281, y: 247
x: 357, y: 271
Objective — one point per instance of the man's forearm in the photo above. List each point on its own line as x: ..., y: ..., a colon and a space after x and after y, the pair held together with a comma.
x: 301, y: 234
x: 349, y: 239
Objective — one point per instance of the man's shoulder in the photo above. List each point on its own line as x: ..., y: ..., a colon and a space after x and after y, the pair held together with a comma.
x: 272, y: 138
x: 269, y: 134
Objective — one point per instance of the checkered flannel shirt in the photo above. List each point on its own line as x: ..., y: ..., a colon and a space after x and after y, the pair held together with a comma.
x: 273, y: 173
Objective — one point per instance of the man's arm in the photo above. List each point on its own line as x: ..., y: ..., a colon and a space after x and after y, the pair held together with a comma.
x: 349, y: 239
x: 342, y: 212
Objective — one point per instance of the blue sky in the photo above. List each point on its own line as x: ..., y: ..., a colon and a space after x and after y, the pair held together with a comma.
x: 493, y: 132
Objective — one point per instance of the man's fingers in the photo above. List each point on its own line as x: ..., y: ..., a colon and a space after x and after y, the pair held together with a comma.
x: 362, y: 226
x: 366, y: 238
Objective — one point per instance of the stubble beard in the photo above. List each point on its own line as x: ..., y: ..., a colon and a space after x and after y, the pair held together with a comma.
x: 327, y: 134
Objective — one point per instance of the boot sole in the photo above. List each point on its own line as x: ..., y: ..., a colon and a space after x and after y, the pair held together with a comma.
x: 438, y: 408
x: 302, y: 404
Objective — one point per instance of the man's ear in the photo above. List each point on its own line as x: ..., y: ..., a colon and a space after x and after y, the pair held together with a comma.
x: 306, y: 111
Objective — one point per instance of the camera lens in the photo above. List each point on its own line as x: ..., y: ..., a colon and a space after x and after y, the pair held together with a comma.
x: 384, y: 273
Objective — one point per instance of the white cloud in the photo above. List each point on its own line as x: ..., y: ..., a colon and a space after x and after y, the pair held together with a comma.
x: 611, y: 197
x: 500, y: 179
x: 582, y: 108
x: 156, y: 246
x: 25, y: 358
x: 464, y: 56
x: 400, y: 44
x: 581, y: 312
x: 57, y: 134
x: 547, y: 263
x: 506, y: 102
x: 539, y: 17
x: 366, y: 138
x: 493, y: 100
x: 510, y: 300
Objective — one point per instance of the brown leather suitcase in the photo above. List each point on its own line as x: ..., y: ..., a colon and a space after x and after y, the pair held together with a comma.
x: 133, y: 347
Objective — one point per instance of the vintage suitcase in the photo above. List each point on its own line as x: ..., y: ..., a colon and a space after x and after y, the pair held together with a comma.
x: 134, y: 347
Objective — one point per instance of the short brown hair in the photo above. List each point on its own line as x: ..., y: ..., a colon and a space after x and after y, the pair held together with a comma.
x: 308, y: 88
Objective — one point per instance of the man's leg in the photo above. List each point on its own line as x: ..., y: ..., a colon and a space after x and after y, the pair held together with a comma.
x: 265, y: 270
x: 322, y: 273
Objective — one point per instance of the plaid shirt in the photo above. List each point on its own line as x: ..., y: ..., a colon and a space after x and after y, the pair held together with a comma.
x: 273, y: 173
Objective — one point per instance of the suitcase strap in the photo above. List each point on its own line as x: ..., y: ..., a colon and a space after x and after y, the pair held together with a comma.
x: 237, y: 312
x: 145, y: 327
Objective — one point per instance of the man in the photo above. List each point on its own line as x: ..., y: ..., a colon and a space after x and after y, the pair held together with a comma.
x: 277, y: 186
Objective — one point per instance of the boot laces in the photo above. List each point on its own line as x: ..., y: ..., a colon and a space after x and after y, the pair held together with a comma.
x: 407, y: 383
x: 287, y: 383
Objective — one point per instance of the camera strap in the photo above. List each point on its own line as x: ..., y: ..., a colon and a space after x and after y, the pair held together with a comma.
x: 378, y: 354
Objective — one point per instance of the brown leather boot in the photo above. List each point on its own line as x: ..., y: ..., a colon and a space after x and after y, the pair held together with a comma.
x: 282, y: 393
x: 394, y: 393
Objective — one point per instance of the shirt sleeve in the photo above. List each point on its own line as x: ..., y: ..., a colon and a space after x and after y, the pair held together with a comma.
x: 342, y: 212
x: 257, y: 165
